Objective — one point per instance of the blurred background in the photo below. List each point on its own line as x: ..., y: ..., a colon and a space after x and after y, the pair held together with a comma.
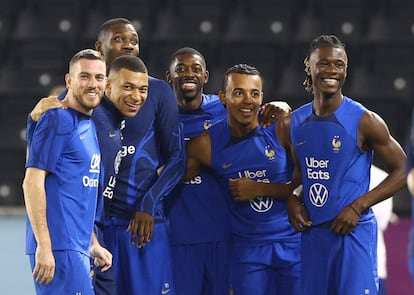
x: 38, y: 37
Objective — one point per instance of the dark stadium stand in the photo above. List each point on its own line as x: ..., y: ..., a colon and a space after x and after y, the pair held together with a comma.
x: 37, y: 37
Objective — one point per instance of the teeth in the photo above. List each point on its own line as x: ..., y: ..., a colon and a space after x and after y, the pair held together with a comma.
x: 188, y: 85
x: 245, y: 110
x: 330, y: 81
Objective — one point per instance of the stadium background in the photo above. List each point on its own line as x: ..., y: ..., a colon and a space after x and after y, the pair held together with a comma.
x: 37, y: 38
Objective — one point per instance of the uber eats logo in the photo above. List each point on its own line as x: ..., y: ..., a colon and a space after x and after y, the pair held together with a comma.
x: 317, y: 170
x: 314, y: 168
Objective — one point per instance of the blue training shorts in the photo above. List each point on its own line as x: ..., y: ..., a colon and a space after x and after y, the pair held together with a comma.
x: 72, y: 274
x: 335, y: 264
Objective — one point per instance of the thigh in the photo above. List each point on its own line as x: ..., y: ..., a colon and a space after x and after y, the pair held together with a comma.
x: 217, y: 268
x: 250, y: 271
x: 359, y: 261
x: 287, y: 264
x: 188, y: 268
x: 72, y: 274
x: 144, y: 270
x: 319, y: 248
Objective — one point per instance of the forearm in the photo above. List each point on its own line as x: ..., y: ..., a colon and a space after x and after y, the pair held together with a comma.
x: 169, y: 177
x: 386, y: 189
x: 35, y: 200
x: 279, y: 191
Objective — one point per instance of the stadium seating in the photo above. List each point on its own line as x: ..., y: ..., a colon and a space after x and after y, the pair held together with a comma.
x: 38, y: 37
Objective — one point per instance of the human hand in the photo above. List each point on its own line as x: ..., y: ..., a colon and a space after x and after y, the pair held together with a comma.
x: 346, y: 220
x: 143, y: 224
x: 45, y: 104
x: 243, y: 189
x: 272, y: 111
x: 101, y: 257
x: 44, y: 270
x: 298, y: 217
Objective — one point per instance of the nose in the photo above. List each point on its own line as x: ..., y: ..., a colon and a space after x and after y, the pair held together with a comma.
x: 332, y: 68
x: 128, y: 45
x: 93, y: 82
x: 247, y: 98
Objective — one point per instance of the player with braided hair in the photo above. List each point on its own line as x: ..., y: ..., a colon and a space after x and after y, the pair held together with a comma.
x: 333, y: 139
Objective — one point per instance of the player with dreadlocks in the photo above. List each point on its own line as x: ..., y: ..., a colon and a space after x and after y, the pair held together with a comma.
x: 333, y: 141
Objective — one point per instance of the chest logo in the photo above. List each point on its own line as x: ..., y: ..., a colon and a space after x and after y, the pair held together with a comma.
x: 318, y: 194
x: 336, y: 143
x: 261, y: 204
x: 270, y: 153
x: 227, y: 165
x: 207, y: 124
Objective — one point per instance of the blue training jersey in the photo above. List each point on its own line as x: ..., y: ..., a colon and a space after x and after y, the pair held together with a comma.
x: 258, y: 156
x: 197, y: 210
x: 151, y: 139
x: 107, y: 119
x: 334, y: 169
x: 64, y: 144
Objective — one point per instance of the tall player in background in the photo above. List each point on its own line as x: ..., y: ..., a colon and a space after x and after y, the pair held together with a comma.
x: 333, y: 138
x: 253, y: 170
x: 197, y: 210
x: 61, y: 185
x: 135, y: 225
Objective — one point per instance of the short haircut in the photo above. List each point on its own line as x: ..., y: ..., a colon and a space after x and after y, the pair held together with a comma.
x: 240, y: 69
x: 106, y: 26
x: 129, y: 62
x: 185, y: 50
x: 90, y: 54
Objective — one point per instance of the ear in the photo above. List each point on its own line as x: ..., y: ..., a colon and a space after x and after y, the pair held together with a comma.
x: 206, y: 76
x: 98, y: 47
x: 68, y: 80
x: 168, y: 76
x: 222, y: 96
x: 108, y: 88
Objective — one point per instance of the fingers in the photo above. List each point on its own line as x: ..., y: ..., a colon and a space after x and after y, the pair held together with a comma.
x: 300, y: 225
x: 43, y: 275
x: 151, y: 231
x: 65, y: 103
x: 346, y: 221
x: 145, y: 234
x: 105, y: 261
x: 132, y: 228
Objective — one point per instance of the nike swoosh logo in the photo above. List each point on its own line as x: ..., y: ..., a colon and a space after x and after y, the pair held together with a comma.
x: 165, y: 291
x: 225, y: 166
x: 300, y: 143
x: 112, y: 134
